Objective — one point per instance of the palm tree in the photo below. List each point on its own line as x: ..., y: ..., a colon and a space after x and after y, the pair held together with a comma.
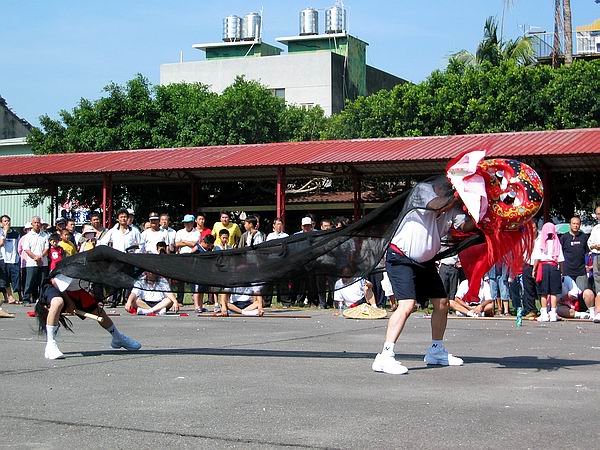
x: 557, y: 26
x: 568, y: 31
x: 494, y: 50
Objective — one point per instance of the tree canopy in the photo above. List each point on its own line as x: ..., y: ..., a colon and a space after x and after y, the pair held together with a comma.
x: 460, y: 99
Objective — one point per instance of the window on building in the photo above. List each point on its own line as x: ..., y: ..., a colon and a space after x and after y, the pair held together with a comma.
x: 279, y: 93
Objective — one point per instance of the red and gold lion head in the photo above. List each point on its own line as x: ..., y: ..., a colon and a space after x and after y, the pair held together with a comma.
x: 514, y: 192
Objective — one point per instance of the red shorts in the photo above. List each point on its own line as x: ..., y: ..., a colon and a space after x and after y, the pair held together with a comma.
x: 84, y: 300
x: 573, y: 303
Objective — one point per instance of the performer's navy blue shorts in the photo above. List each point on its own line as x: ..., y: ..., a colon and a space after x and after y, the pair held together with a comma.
x: 412, y: 280
x: 83, y: 300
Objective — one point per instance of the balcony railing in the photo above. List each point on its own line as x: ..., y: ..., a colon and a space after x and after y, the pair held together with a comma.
x: 583, y: 43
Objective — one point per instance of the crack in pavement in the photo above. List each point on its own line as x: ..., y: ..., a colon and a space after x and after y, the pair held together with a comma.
x: 169, y: 433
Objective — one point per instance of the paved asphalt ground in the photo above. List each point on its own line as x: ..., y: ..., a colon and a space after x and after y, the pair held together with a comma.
x: 306, y: 383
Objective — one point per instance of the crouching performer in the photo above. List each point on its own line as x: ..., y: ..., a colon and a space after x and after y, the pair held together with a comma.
x: 61, y: 294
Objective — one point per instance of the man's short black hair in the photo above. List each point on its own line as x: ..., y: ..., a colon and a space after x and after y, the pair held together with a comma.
x: 224, y: 212
x: 96, y: 214
x: 326, y: 220
x: 5, y: 215
x: 223, y: 231
x: 252, y: 220
x: 209, y: 239
x: 122, y: 211
x: 54, y: 237
x: 200, y: 213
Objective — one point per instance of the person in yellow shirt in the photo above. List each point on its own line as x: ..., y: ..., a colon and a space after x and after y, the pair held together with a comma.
x: 225, y: 223
x: 66, y: 244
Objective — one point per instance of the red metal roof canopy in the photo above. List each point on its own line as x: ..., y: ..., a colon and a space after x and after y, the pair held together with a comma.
x: 577, y: 149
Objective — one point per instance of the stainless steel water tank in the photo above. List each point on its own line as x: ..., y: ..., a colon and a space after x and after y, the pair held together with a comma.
x: 232, y: 28
x: 335, y: 20
x: 309, y: 22
x: 251, y: 27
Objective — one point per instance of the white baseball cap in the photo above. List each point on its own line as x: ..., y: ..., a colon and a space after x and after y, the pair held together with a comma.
x: 306, y: 221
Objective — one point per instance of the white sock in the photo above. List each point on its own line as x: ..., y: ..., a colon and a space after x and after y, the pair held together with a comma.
x: 388, y: 349
x: 437, y: 344
x: 51, y: 332
x: 579, y: 315
x: 553, y: 310
x: 592, y: 310
x: 143, y: 312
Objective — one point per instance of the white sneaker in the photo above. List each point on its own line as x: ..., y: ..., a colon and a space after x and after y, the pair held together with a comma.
x: 52, y: 351
x: 583, y: 316
x: 388, y: 364
x: 162, y: 312
x: 126, y: 342
x: 460, y: 314
x: 543, y: 317
x: 553, y: 317
x: 252, y: 312
x: 597, y: 318
x: 440, y: 356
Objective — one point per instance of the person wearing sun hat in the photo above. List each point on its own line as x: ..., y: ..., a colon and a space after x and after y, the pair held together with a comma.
x: 88, y: 238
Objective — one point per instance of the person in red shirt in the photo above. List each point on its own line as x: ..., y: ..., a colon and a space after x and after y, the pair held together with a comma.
x: 56, y: 252
x: 200, y: 219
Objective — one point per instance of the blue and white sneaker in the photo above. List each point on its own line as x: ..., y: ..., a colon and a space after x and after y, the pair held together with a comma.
x: 440, y: 356
x: 125, y: 342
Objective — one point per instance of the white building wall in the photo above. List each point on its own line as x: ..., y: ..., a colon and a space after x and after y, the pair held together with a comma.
x: 306, y: 77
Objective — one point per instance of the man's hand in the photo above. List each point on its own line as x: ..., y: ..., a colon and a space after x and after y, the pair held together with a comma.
x: 175, y: 306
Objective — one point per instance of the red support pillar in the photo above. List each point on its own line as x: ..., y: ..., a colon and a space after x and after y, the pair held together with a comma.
x: 194, y: 199
x: 281, y: 185
x: 357, y: 188
x: 107, y: 204
x: 547, y: 182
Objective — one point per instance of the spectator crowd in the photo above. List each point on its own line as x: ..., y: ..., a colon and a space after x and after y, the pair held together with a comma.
x: 562, y: 274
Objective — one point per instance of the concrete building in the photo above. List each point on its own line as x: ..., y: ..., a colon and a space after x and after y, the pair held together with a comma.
x: 317, y: 69
x: 11, y: 125
x: 588, y: 38
x: 13, y: 141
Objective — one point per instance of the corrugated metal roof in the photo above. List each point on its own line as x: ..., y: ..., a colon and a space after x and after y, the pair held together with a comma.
x: 358, y: 153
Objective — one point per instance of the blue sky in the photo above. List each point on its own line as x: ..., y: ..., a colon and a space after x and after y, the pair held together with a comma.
x: 52, y: 53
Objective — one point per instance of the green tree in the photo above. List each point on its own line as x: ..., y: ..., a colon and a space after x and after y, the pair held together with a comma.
x: 138, y: 115
x: 493, y: 49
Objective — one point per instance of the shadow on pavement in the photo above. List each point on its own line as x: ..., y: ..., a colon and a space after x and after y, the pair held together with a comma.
x: 506, y: 362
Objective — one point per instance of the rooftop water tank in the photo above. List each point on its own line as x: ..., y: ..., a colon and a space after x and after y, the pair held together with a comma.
x: 232, y: 28
x: 251, y: 27
x: 309, y: 22
x: 335, y: 20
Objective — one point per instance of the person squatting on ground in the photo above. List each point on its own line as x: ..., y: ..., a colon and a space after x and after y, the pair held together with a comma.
x: 413, y: 274
x: 248, y: 302
x: 353, y: 291
x: 62, y: 294
x: 480, y: 307
x: 575, y: 303
x: 547, y: 266
x: 151, y: 295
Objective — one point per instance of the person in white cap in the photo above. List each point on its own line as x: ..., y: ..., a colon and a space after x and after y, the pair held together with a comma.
x: 154, y: 234
x: 186, y: 241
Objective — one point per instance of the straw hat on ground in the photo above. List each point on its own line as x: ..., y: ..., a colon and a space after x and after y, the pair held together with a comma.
x: 365, y: 311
